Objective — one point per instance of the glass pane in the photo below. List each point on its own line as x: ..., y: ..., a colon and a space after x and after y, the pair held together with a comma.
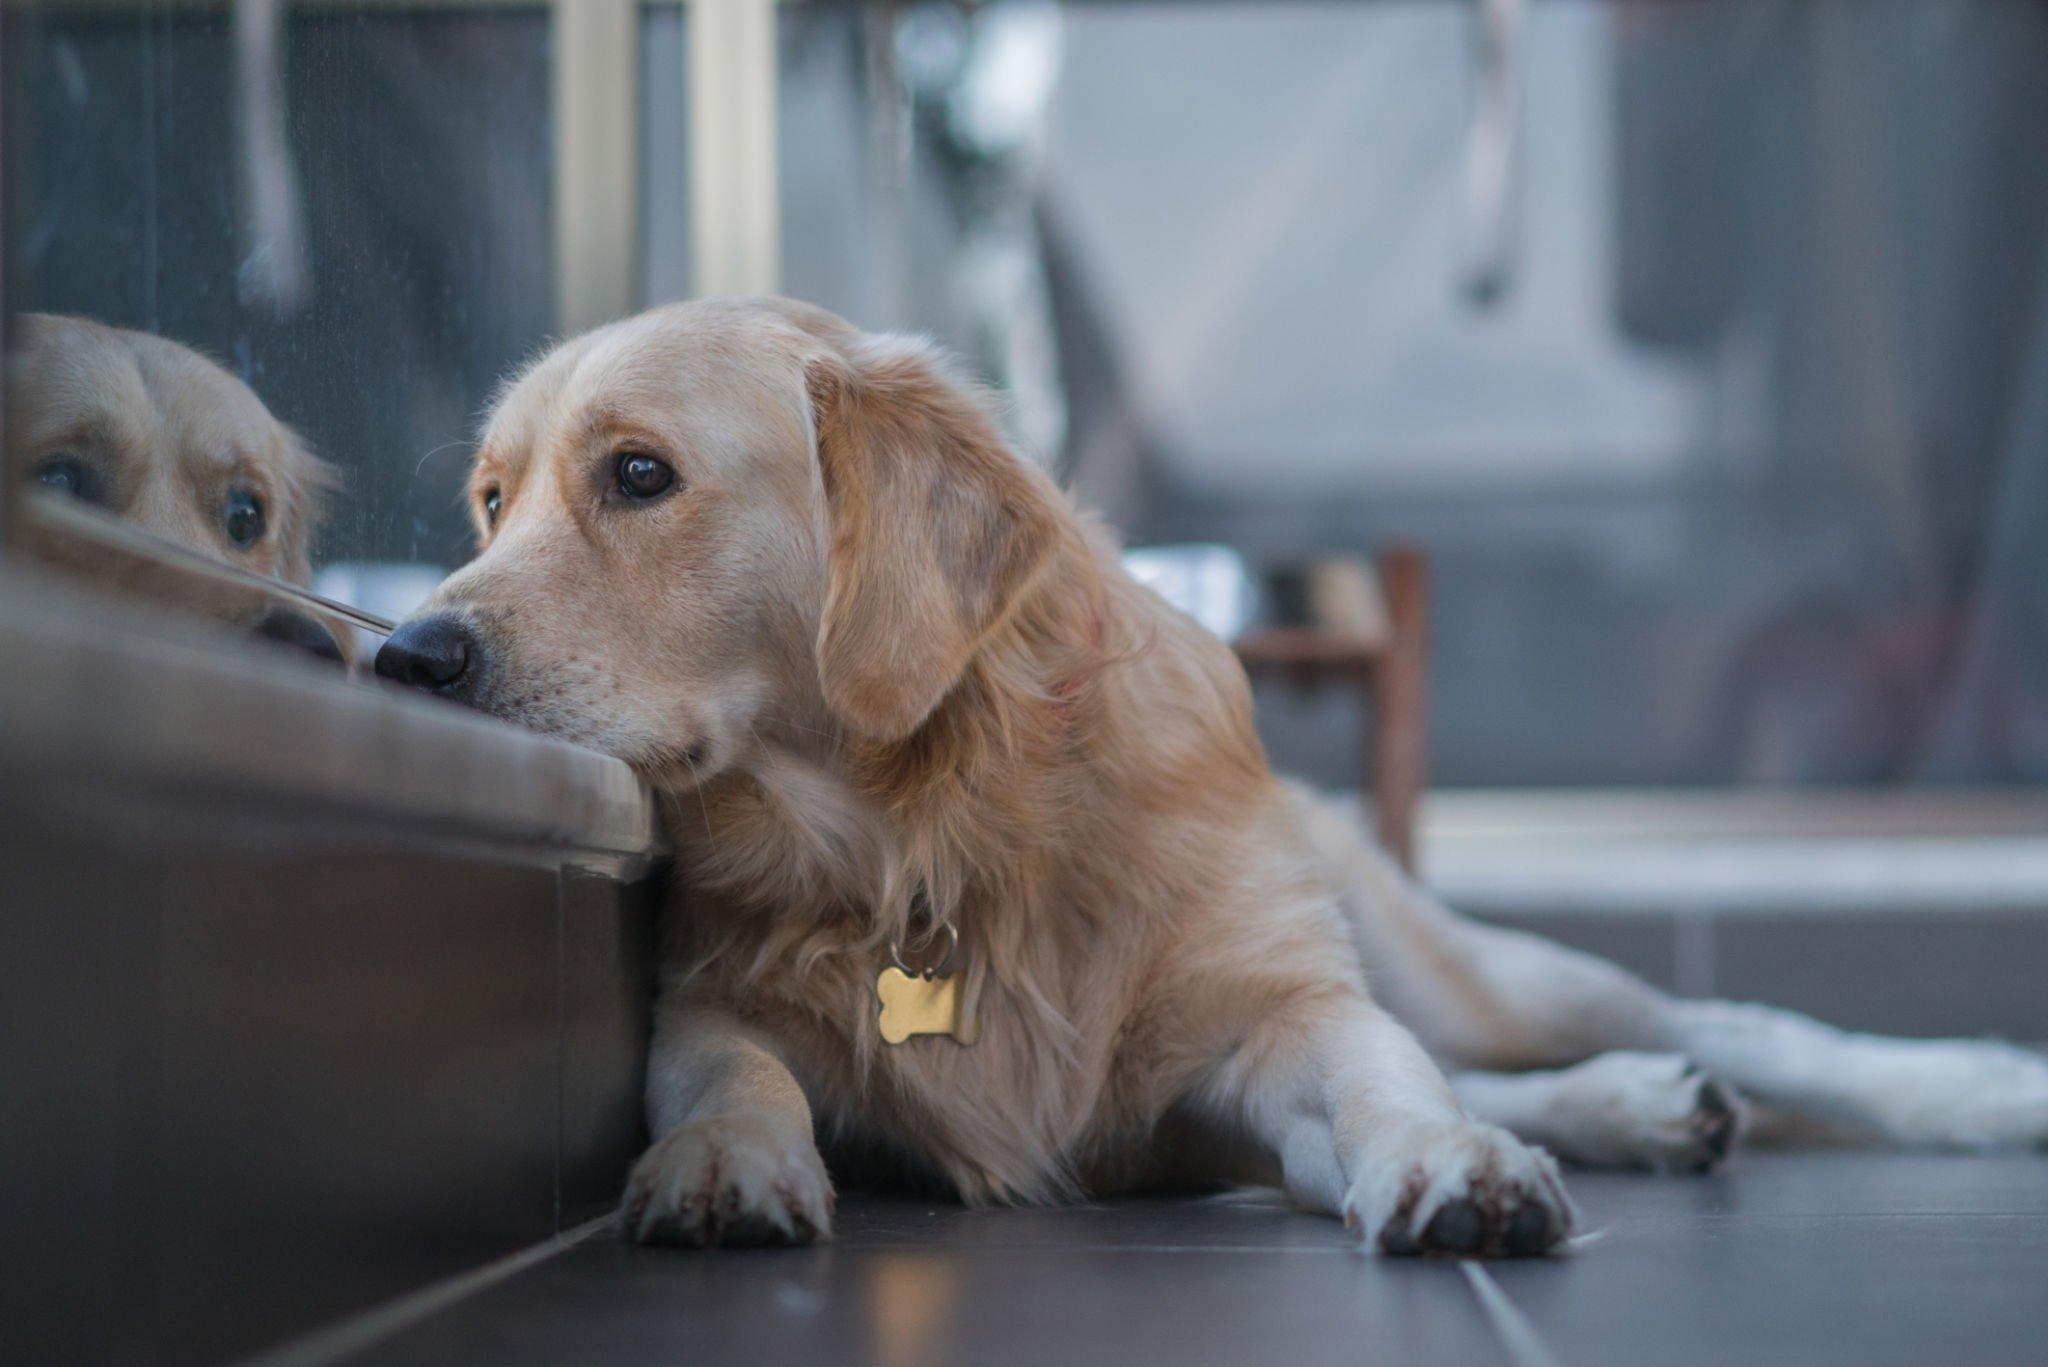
x: 1728, y: 479
x: 345, y: 210
x: 665, y: 263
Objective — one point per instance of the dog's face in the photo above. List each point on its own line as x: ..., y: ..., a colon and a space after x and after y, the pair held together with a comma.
x: 723, y: 515
x: 644, y: 508
x: 158, y: 435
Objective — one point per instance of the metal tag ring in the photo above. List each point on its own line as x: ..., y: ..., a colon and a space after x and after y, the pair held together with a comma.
x: 952, y: 933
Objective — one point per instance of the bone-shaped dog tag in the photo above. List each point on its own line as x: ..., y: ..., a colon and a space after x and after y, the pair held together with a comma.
x: 922, y: 1004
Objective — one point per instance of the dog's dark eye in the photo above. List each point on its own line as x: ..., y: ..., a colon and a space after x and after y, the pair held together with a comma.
x: 643, y: 476
x: 243, y: 518
x: 70, y: 475
x: 491, y: 501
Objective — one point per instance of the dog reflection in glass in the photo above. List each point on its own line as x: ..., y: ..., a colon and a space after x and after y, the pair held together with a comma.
x: 157, y: 434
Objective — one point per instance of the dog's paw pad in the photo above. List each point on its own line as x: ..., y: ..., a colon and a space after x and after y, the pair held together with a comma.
x: 1717, y: 1118
x: 1456, y: 1228
x: 1531, y: 1231
x: 728, y: 1181
x: 1462, y: 1190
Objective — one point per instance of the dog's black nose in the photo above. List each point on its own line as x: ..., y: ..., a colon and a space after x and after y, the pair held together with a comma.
x: 434, y: 653
x: 297, y: 629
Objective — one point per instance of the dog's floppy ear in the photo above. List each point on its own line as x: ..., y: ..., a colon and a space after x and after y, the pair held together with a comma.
x: 936, y: 530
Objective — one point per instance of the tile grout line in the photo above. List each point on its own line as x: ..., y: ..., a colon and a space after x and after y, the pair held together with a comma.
x: 1518, y: 1338
x: 364, y: 1330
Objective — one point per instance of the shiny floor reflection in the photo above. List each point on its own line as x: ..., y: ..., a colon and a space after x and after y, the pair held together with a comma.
x: 1866, y: 1258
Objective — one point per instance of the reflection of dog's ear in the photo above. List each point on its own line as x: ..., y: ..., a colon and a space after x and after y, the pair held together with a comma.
x: 936, y: 530
x: 305, y: 484
x: 306, y: 481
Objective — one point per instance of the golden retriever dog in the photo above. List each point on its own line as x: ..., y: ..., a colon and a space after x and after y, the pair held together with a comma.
x: 160, y: 436
x: 927, y: 749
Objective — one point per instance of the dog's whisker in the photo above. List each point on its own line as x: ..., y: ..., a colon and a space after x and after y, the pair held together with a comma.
x: 697, y: 786
x: 421, y: 464
x: 799, y: 726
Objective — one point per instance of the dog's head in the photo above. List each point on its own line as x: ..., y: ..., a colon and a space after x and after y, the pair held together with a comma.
x: 726, y: 514
x: 160, y: 436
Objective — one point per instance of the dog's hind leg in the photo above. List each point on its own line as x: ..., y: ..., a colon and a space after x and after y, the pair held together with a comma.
x: 1483, y: 997
x: 1616, y: 1110
x: 1971, y: 1094
x: 1477, y: 996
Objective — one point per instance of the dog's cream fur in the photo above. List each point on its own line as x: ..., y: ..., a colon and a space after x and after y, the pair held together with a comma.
x: 863, y: 649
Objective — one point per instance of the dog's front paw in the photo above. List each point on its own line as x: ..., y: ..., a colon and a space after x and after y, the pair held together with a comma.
x: 729, y: 1180
x: 1460, y: 1188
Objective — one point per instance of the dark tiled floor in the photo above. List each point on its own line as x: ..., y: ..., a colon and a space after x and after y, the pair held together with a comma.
x: 1855, y: 1258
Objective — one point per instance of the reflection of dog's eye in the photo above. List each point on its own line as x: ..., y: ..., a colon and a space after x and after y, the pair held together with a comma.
x: 69, y: 475
x: 243, y: 518
x: 643, y: 476
x: 491, y: 501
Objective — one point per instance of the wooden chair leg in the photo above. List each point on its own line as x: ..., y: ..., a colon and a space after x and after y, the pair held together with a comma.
x: 1397, y: 750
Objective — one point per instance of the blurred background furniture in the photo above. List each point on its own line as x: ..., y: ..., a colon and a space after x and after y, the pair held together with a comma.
x: 1381, y: 653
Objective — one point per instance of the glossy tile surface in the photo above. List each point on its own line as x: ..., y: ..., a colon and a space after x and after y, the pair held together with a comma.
x: 914, y: 1283
x: 1854, y: 1258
